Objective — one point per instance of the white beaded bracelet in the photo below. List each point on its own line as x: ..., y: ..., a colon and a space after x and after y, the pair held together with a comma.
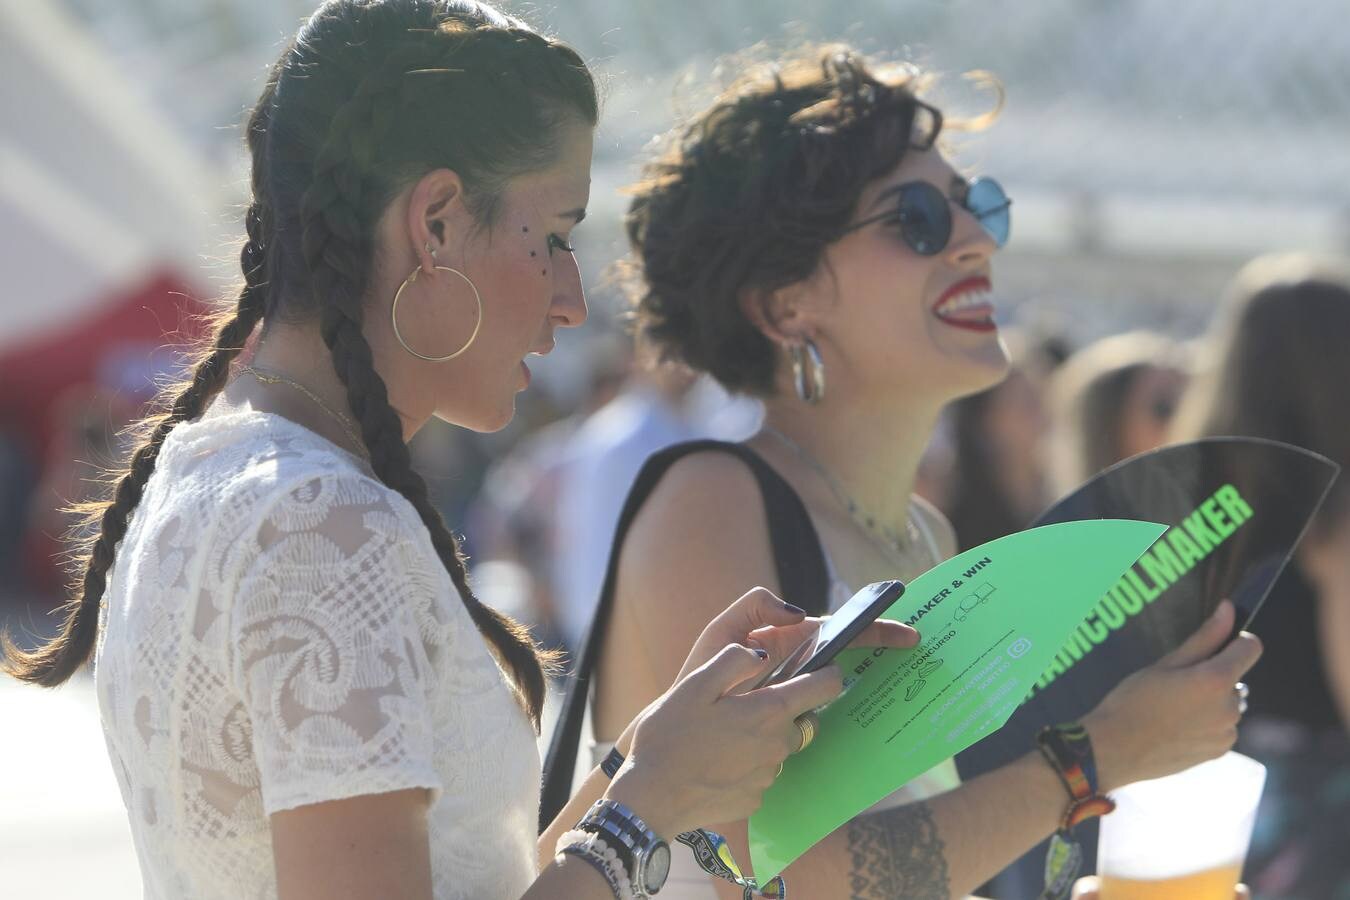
x: 594, y: 849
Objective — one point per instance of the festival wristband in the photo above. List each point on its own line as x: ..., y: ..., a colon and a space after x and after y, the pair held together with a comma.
x: 1068, y: 750
x: 611, y: 763
x: 711, y: 851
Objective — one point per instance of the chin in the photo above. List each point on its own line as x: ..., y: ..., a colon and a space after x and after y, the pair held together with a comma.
x: 983, y: 370
x: 484, y: 419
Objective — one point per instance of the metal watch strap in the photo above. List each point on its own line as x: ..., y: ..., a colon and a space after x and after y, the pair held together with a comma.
x: 630, y: 837
x: 711, y: 851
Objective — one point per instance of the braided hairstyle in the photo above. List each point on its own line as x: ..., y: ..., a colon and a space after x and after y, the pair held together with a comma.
x: 368, y: 97
x: 745, y: 197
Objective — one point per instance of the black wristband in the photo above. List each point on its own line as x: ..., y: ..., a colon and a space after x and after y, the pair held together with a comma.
x: 610, y: 764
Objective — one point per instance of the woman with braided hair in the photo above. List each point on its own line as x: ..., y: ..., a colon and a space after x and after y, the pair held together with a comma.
x: 806, y: 224
x: 301, y: 695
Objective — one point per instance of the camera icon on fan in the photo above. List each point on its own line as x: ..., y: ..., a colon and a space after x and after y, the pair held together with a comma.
x: 1019, y: 648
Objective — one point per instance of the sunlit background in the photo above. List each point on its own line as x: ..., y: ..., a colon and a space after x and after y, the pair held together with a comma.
x: 1150, y: 146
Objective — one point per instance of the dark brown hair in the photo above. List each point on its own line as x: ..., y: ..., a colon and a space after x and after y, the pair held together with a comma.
x: 749, y: 193
x: 1277, y: 366
x: 1089, y: 395
x: 368, y: 97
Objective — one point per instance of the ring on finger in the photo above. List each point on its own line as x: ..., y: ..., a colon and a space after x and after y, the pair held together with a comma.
x: 1242, y: 693
x: 806, y: 724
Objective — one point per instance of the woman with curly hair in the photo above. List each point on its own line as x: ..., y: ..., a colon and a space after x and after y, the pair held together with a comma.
x: 808, y: 223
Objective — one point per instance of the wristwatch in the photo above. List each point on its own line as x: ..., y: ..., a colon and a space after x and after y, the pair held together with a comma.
x: 644, y: 854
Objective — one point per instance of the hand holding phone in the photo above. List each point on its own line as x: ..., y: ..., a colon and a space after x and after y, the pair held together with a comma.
x: 836, y: 632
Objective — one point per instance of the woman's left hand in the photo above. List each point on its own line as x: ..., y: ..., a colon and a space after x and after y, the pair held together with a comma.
x: 1089, y: 888
x: 760, y: 619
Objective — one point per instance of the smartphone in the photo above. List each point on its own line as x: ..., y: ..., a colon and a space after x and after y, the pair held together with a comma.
x: 837, y: 631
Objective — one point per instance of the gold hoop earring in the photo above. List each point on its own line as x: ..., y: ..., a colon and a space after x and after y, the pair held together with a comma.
x: 478, y: 322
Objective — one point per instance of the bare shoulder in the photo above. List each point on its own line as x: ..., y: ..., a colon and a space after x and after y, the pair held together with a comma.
x: 699, y: 542
x: 938, y: 525
x: 704, y: 522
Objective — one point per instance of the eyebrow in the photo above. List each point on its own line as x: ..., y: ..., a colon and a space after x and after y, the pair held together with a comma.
x: 576, y: 214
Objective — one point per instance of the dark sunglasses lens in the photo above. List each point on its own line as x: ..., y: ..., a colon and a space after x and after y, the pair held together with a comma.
x: 990, y: 205
x: 925, y: 218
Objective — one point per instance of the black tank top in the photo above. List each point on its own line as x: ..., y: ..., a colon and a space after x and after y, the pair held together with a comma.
x: 798, y: 558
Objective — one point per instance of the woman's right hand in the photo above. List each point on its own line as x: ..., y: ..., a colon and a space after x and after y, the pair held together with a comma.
x: 703, y: 753
x: 1178, y: 712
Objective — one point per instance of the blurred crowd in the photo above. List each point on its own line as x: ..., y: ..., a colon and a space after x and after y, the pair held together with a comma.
x: 539, y: 501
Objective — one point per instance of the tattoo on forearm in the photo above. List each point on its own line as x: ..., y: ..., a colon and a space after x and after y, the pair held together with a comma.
x: 897, y: 853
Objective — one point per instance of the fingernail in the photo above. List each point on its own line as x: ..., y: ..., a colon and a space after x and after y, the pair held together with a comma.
x: 761, y: 653
x: 796, y: 610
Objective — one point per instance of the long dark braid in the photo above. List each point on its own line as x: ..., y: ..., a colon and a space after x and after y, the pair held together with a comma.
x: 106, y: 521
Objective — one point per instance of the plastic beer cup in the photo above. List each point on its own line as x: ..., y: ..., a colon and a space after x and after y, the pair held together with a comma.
x: 1182, y: 836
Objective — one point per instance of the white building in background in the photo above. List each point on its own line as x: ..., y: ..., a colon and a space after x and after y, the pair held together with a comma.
x: 98, y: 187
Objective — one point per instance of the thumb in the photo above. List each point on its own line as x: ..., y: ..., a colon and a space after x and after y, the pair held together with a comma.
x: 732, y: 666
x: 1206, y: 640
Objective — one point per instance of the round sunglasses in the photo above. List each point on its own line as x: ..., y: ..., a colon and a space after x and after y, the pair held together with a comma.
x: 923, y: 213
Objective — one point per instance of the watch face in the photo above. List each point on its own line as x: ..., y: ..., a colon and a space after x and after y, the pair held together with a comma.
x: 657, y: 868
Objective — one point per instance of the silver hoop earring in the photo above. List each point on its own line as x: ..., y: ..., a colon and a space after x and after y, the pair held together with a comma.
x: 808, y: 371
x: 478, y: 321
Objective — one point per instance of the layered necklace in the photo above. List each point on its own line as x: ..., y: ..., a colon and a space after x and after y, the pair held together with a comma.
x: 348, y: 426
x: 884, y: 537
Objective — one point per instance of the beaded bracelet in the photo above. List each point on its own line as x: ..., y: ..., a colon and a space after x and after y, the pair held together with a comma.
x: 593, y: 848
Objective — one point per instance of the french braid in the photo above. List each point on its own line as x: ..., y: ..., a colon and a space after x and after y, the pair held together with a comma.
x: 106, y: 521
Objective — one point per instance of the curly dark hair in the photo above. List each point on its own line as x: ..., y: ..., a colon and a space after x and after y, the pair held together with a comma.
x: 747, y: 196
x: 368, y: 97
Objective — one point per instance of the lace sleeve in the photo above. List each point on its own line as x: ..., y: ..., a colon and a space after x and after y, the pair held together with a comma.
x: 327, y: 652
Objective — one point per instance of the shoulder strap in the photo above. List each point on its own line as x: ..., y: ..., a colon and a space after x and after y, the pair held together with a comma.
x: 797, y: 554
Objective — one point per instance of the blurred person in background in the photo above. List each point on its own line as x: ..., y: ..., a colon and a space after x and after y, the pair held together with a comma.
x: 1276, y: 366
x: 659, y: 405
x: 301, y: 695
x: 1111, y: 400
x: 997, y: 482
x: 804, y: 225
x: 515, y: 517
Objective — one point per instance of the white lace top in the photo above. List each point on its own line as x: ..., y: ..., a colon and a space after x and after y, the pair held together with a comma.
x: 278, y: 631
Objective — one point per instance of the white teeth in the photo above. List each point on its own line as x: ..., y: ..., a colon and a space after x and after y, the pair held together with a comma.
x: 963, y: 302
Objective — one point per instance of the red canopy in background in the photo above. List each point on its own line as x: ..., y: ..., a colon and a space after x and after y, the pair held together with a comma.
x: 65, y: 391
x: 120, y: 345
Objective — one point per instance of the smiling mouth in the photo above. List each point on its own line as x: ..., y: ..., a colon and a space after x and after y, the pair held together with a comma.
x: 967, y: 304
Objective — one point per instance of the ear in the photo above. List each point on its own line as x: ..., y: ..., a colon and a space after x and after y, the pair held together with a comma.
x: 436, y: 211
x: 783, y: 315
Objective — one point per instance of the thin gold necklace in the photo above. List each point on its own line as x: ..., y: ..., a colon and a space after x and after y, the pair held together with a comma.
x: 883, y: 537
x: 347, y: 424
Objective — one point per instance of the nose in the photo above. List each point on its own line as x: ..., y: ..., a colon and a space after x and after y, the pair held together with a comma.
x: 568, y: 309
x: 970, y: 246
